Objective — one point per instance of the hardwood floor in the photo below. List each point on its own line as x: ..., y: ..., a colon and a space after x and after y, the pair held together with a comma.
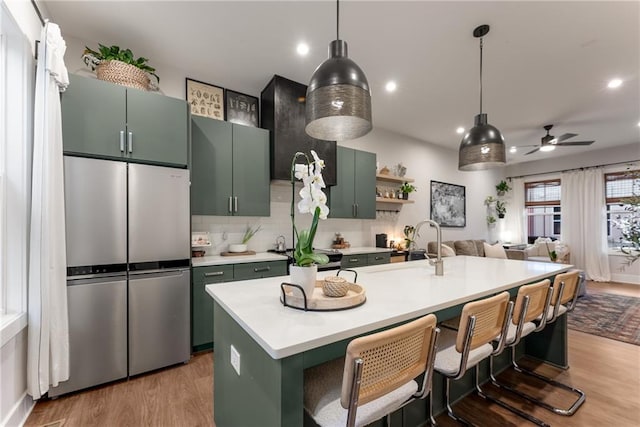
x: 607, y: 371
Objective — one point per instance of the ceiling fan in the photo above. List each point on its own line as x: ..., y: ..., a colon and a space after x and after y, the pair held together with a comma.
x: 549, y: 142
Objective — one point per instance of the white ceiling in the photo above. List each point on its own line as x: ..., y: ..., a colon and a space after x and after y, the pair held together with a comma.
x: 544, y: 62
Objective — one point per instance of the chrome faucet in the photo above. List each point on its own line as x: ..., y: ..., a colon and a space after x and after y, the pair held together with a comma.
x: 438, y: 262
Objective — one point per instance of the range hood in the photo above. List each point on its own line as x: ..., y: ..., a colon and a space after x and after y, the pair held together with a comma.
x: 283, y: 113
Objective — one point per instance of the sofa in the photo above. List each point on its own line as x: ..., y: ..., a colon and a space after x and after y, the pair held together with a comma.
x: 469, y: 247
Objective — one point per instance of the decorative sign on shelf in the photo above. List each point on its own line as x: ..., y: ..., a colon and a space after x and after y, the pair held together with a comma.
x: 241, y: 108
x: 448, y: 204
x: 205, y: 100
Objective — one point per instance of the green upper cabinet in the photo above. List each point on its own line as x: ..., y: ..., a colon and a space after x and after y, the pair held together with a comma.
x: 355, y: 194
x: 230, y: 169
x: 101, y: 119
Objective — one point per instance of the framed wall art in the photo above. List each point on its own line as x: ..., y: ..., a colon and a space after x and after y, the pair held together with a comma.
x: 242, y: 109
x: 448, y: 204
x: 205, y: 99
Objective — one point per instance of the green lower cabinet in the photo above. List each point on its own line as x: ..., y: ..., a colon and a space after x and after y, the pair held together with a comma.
x: 259, y: 270
x: 352, y: 261
x: 379, y: 258
x: 202, y: 303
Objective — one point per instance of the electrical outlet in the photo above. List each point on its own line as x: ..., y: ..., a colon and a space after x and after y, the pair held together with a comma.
x: 235, y: 359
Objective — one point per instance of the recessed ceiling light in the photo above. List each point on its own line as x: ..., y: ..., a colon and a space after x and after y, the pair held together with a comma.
x: 638, y: 124
x: 302, y: 49
x: 460, y: 130
x: 614, y: 83
x: 391, y: 86
x: 548, y: 147
x: 513, y: 150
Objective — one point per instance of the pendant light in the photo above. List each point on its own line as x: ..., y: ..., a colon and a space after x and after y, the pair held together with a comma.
x: 338, y: 97
x: 483, y: 146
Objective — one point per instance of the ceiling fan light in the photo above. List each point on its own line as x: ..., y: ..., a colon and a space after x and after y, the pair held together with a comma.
x: 338, y: 98
x: 549, y: 147
x: 482, y: 147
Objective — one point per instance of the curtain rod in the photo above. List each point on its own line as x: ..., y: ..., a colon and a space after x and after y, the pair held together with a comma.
x: 575, y: 169
x: 35, y: 6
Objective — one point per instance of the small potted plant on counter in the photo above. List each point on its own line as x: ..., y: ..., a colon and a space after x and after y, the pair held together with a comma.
x: 248, y: 234
x: 407, y: 188
x: 502, y: 188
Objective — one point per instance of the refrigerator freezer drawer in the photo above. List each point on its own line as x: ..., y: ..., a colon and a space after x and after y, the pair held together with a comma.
x: 159, y: 219
x: 159, y: 320
x: 97, y: 333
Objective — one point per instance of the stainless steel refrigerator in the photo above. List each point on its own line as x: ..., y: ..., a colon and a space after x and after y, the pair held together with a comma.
x: 128, y: 250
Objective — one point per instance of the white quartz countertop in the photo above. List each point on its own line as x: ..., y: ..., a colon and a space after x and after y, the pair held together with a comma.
x: 236, y: 259
x: 363, y: 250
x: 395, y: 293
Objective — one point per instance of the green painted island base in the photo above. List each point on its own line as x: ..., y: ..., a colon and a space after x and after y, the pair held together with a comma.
x: 269, y: 392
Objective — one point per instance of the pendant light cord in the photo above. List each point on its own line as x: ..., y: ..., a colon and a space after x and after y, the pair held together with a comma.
x: 481, y: 75
x: 337, y: 19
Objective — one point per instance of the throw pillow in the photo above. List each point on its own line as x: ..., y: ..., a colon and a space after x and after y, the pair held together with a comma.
x: 479, y: 247
x: 494, y: 251
x: 466, y: 247
x: 447, y: 250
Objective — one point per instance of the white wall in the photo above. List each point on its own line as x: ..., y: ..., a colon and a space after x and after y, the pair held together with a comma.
x: 617, y: 158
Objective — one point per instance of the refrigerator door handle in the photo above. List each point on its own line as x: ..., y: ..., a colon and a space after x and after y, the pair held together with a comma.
x: 122, y: 141
x: 130, y: 142
x: 158, y: 273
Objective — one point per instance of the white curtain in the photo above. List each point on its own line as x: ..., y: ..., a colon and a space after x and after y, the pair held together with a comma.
x: 583, y: 213
x: 515, y: 217
x: 48, y: 326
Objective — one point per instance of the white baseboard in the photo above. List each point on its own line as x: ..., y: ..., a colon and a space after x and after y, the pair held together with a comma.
x: 634, y: 279
x: 20, y: 412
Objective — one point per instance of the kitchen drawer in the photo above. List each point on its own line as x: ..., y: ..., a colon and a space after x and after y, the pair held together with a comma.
x: 379, y: 258
x: 259, y: 270
x: 351, y: 261
x: 213, y: 274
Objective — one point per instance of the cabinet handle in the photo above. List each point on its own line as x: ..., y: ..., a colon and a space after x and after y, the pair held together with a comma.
x: 354, y: 260
x: 353, y: 210
x: 122, y: 141
x: 235, y: 204
x: 378, y: 258
x: 230, y: 205
x: 356, y: 210
x: 261, y: 269
x: 214, y: 273
x: 130, y: 142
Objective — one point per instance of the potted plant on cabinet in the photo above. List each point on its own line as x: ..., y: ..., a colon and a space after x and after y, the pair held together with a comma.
x: 502, y: 188
x: 119, y: 66
x: 407, y: 188
x: 501, y: 208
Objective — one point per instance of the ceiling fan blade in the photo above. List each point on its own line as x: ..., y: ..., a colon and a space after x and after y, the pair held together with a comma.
x: 531, y: 145
x: 532, y: 151
x: 565, y: 136
x: 576, y: 143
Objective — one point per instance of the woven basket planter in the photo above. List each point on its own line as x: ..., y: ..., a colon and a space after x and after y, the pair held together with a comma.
x: 124, y: 74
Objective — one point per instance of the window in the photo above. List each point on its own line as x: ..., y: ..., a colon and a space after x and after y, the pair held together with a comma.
x: 542, y: 204
x: 618, y: 187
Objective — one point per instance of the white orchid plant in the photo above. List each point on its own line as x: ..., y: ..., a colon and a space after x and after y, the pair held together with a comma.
x: 313, y: 201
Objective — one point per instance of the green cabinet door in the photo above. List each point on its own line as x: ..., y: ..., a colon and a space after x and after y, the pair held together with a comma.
x: 202, y: 303
x: 156, y: 128
x: 365, y: 184
x: 342, y: 195
x: 211, y: 169
x: 355, y: 194
x: 251, y: 177
x: 93, y: 118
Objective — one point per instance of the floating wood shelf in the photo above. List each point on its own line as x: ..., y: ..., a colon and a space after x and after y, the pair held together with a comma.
x: 393, y: 178
x: 388, y: 200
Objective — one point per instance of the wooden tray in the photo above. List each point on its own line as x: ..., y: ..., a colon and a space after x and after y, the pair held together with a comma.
x: 319, y: 301
x: 237, y: 253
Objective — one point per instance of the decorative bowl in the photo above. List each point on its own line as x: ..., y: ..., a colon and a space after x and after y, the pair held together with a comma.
x: 334, y: 286
x: 237, y: 248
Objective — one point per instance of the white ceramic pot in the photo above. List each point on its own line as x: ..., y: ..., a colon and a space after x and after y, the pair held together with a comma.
x: 237, y: 248
x: 304, y: 277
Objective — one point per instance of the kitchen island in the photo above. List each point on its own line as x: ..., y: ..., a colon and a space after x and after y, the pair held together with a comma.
x: 276, y: 343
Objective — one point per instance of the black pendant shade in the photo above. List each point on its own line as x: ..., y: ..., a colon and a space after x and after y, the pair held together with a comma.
x: 338, y: 104
x: 483, y: 146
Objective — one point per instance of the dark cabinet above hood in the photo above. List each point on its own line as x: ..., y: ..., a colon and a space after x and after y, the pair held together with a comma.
x: 283, y: 105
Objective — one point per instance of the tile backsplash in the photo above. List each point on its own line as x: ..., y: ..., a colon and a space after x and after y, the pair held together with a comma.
x: 228, y: 230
